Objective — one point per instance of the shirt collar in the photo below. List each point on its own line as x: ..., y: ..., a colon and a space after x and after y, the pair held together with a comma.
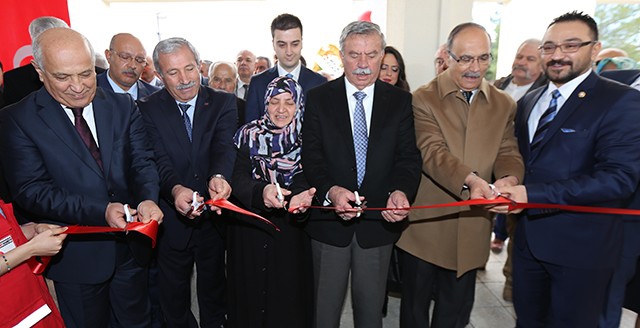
x: 133, y: 91
x: 568, y: 88
x: 295, y: 72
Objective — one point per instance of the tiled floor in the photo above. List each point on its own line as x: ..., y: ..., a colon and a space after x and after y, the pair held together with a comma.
x: 489, y: 310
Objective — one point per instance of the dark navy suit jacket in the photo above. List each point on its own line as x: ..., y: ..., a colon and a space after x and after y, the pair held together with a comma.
x: 328, y: 158
x: 144, y: 89
x: 189, y: 163
x: 308, y: 79
x: 590, y: 156
x: 624, y: 76
x: 53, y: 178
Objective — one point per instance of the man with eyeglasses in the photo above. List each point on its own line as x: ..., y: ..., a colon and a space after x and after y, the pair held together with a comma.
x: 127, y: 59
x: 465, y: 132
x: 581, y: 145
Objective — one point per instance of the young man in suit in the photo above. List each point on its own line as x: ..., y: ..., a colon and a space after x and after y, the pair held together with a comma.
x: 127, y: 59
x: 464, y: 129
x: 191, y: 127
x: 286, y: 31
x: 581, y: 146
x: 358, y: 136
x: 74, y: 154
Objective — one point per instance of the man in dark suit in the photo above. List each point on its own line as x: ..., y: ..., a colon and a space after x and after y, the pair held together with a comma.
x: 630, y: 77
x: 223, y: 77
x: 127, y: 59
x: 192, y: 128
x: 581, y: 146
x: 337, y: 161
x: 286, y: 31
x: 74, y: 154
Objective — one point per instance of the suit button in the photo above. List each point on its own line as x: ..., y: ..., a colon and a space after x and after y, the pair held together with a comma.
x: 112, y: 194
x: 195, y: 176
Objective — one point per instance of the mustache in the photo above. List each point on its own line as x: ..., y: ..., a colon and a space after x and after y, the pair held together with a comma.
x: 129, y: 71
x: 185, y: 86
x: 471, y: 74
x: 520, y: 67
x: 362, y: 71
x: 559, y: 62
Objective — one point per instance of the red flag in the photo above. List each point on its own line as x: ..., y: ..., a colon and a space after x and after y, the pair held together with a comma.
x: 15, y: 16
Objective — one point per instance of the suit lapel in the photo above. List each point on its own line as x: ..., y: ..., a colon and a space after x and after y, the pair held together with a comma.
x: 52, y: 114
x: 200, y: 120
x: 379, y: 114
x: 574, y: 101
x: 103, y: 113
x: 342, y: 117
x: 172, y: 123
x: 527, y: 107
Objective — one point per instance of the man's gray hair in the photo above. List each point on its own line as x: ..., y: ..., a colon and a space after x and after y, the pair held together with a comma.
x: 361, y: 28
x: 170, y: 46
x: 223, y: 63
x: 41, y: 24
x: 36, y: 48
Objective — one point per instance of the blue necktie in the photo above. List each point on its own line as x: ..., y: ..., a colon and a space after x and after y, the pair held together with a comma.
x: 360, y: 138
x: 545, y: 120
x: 185, y: 117
x: 289, y: 75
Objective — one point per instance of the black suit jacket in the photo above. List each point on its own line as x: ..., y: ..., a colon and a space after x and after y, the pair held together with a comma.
x: 308, y: 79
x: 189, y: 163
x: 624, y: 76
x: 144, y: 89
x: 590, y: 155
x: 53, y: 178
x: 328, y: 157
x: 21, y: 81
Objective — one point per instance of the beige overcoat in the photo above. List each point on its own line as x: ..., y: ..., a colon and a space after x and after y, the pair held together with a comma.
x: 455, y: 139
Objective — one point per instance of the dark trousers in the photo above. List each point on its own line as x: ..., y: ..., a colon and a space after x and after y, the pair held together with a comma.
x: 554, y: 296
x: 422, y: 281
x: 121, y: 301
x: 206, y: 250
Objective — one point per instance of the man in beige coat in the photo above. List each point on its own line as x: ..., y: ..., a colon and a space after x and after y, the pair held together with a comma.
x: 464, y: 129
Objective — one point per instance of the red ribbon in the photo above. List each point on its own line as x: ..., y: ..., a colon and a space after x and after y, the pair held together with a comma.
x: 497, y: 201
x: 223, y: 203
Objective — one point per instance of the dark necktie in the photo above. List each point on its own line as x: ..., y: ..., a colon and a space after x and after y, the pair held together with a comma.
x: 85, y: 133
x: 360, y: 138
x: 246, y: 91
x: 185, y: 118
x: 467, y: 95
x: 545, y: 120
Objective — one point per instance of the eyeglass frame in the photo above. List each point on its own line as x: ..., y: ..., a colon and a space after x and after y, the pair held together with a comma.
x: 563, y: 46
x: 462, y: 61
x: 128, y: 57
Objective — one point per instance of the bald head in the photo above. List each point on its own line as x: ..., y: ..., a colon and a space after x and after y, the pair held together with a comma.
x: 246, y: 63
x: 222, y: 76
x: 610, y: 53
x: 127, y: 59
x: 65, y: 62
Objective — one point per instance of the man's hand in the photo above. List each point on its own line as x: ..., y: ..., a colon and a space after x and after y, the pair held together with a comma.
x: 478, y: 187
x: 114, y: 215
x: 183, y: 201
x: 270, y: 196
x: 219, y: 188
x: 398, y: 200
x: 340, y: 198
x: 516, y: 193
x: 148, y: 210
x: 303, y: 200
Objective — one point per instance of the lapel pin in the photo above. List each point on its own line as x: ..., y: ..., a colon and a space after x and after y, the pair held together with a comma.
x: 581, y: 94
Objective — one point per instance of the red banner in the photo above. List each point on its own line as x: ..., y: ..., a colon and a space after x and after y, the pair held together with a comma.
x: 15, y: 17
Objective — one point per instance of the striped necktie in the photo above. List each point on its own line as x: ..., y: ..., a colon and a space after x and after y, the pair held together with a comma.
x: 545, y: 120
x: 185, y: 118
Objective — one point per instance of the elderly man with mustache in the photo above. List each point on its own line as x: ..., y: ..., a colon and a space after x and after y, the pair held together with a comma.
x: 464, y: 129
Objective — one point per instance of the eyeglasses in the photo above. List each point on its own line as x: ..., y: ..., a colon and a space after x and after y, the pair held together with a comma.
x: 127, y: 57
x: 549, y: 48
x: 465, y: 60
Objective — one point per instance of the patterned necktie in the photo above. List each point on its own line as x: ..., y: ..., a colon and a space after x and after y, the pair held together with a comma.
x: 467, y: 95
x: 85, y: 134
x: 545, y: 120
x: 360, y: 138
x: 185, y: 118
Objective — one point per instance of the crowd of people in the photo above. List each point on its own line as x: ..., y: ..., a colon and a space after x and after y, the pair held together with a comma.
x: 151, y: 137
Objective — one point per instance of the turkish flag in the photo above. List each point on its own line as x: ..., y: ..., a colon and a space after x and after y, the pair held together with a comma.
x: 15, y: 17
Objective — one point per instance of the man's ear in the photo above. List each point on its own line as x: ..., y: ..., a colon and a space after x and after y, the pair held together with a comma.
x: 39, y: 70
